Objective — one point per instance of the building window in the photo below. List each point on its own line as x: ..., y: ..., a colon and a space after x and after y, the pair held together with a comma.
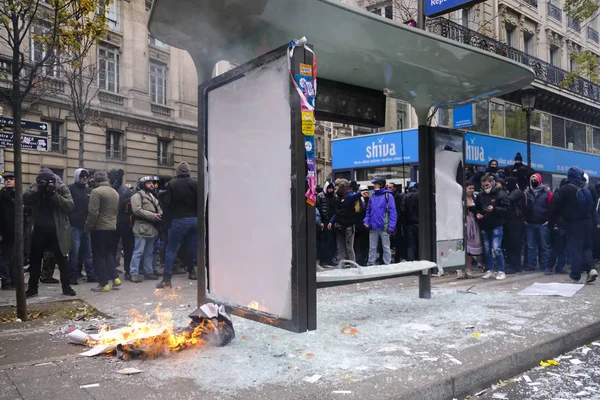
x: 529, y: 43
x: 114, y: 146
x: 572, y: 65
x: 155, y: 42
x: 482, y: 117
x: 403, y: 113
x: 57, y: 141
x: 511, y: 34
x: 555, y: 56
x: 497, y: 119
x: 546, y: 122
x: 158, y: 83
x: 39, y: 52
x: 575, y: 135
x: 596, y: 140
x: 112, y: 12
x: 164, y: 157
x: 108, y: 69
x: 386, y: 11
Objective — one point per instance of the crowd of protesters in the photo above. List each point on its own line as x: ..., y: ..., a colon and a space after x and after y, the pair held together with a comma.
x: 514, y: 223
x: 87, y: 225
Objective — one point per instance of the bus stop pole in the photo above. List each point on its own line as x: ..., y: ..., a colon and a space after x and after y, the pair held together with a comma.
x: 427, y: 231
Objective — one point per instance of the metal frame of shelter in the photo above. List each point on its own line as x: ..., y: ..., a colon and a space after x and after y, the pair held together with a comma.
x: 407, y: 63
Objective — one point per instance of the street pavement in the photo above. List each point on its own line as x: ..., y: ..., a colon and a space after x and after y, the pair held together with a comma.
x: 399, y: 346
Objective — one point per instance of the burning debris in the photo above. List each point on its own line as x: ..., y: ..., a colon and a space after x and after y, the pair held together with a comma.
x: 149, y: 337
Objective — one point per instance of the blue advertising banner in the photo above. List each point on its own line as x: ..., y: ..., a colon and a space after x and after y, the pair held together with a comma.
x: 438, y: 7
x: 463, y: 116
x: 388, y: 148
x: 375, y: 150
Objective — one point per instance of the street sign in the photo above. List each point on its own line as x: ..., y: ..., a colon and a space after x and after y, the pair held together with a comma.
x: 433, y: 8
x: 29, y: 142
x: 36, y: 126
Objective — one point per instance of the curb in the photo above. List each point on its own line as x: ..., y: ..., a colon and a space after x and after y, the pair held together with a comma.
x: 514, y: 363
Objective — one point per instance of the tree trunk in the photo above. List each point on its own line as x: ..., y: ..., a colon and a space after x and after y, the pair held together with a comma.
x: 81, y: 148
x: 19, y: 223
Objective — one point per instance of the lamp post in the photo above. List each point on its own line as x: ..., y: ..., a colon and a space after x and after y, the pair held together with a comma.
x: 528, y: 94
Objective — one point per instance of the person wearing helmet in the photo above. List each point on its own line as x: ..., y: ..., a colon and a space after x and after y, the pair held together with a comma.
x: 381, y: 219
x: 147, y: 216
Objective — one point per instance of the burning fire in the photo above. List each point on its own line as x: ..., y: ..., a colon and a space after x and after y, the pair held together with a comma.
x: 255, y: 305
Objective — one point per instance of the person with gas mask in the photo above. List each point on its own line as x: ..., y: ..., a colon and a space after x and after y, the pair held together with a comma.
x: 102, y: 223
x: 147, y: 216
x: 7, y: 232
x: 51, y: 205
x: 537, y: 218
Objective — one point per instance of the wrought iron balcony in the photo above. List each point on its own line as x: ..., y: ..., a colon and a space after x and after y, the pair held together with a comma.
x: 531, y: 2
x: 554, y: 12
x: 544, y: 72
x: 592, y: 34
x: 574, y: 24
x: 118, y: 153
x: 166, y: 159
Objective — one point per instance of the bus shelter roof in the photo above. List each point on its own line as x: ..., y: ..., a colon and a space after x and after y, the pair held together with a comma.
x: 352, y: 46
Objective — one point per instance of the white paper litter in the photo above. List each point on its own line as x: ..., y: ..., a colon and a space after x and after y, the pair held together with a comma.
x: 130, y: 371
x: 97, y: 350
x: 498, y: 396
x: 91, y: 385
x: 342, y: 392
x: 454, y: 360
x: 578, y: 384
x: 551, y: 289
x: 46, y: 363
x: 585, y: 350
x: 582, y: 393
x: 595, y: 343
x: 527, y: 379
x: 390, y: 367
x: 576, y: 361
x: 311, y: 379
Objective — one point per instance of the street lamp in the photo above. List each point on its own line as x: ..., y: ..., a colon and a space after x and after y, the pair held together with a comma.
x: 528, y: 94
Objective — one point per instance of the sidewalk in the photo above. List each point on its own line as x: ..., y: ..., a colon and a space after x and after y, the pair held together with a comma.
x: 404, y: 347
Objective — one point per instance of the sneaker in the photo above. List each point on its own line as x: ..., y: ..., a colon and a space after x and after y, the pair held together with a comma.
x: 136, y: 279
x: 127, y: 276
x: 193, y: 276
x: 548, y: 271
x: 73, y: 281
x: 501, y: 276
x: 592, y: 275
x: 469, y: 274
x: 460, y: 274
x: 101, y: 289
x: 69, y: 292
x: 164, y: 285
x: 117, y: 282
x: 487, y: 275
x: 30, y: 293
x: 151, y: 277
x: 49, y: 280
x: 575, y: 281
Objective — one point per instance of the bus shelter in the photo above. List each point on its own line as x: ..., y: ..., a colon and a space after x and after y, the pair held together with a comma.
x: 257, y: 244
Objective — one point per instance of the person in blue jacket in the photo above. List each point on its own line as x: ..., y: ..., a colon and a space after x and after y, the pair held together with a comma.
x: 381, y: 220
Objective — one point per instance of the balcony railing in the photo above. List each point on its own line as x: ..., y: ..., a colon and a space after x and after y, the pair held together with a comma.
x: 544, y: 72
x: 574, y: 24
x: 593, y: 35
x: 118, y: 153
x: 554, y: 12
x: 112, y: 99
x: 58, y: 145
x: 166, y: 159
x: 531, y: 2
x: 164, y: 111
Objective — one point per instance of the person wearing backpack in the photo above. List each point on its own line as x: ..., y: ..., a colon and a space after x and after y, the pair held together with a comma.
x: 575, y: 205
x: 381, y: 220
x: 147, y: 216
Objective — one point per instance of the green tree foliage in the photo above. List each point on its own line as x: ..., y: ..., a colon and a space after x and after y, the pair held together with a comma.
x: 580, y: 10
x: 586, y: 67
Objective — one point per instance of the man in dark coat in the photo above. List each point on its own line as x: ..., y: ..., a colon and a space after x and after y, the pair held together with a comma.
x: 513, y: 228
x: 537, y: 219
x: 124, y: 225
x: 82, y: 244
x: 492, y: 205
x: 520, y: 171
x: 575, y: 205
x: 558, y: 256
x: 326, y: 201
x: 7, y: 232
x: 409, y: 215
x: 344, y: 220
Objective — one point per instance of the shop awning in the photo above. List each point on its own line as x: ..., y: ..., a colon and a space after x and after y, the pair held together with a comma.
x: 352, y: 46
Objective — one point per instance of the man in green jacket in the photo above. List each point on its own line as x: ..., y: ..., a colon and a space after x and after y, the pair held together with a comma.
x: 51, y: 204
x: 102, y: 223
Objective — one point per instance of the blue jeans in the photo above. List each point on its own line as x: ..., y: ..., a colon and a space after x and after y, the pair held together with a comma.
x: 492, y: 245
x: 538, y: 238
x: 81, y: 241
x: 143, y: 250
x: 374, y: 235
x: 181, y: 229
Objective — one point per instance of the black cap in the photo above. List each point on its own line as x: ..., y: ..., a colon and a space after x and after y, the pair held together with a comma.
x: 8, y: 175
x: 519, y: 157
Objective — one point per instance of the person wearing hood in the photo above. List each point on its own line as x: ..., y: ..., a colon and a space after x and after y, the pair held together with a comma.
x: 344, y: 220
x: 124, y: 225
x: 51, y: 206
x: 102, y: 224
x: 381, y: 221
x: 7, y: 232
x: 361, y: 240
x: 492, y: 167
x: 491, y: 206
x: 409, y: 215
x: 326, y: 201
x: 181, y: 203
x: 575, y: 205
x: 520, y: 171
x: 558, y: 255
x: 82, y: 245
x: 513, y: 227
x: 537, y: 218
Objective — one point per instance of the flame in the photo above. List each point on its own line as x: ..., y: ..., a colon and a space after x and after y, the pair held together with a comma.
x: 255, y: 305
x: 168, y: 294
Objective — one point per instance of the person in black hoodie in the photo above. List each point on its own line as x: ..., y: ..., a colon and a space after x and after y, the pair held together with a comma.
x: 124, y: 225
x: 558, y: 256
x: 181, y: 199
x: 361, y: 242
x: 409, y: 215
x: 520, y: 171
x: 7, y: 232
x: 492, y: 205
x: 326, y: 201
x: 513, y: 227
x: 344, y: 220
x: 82, y: 244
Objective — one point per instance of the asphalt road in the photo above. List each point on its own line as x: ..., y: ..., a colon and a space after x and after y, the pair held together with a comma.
x: 577, y: 376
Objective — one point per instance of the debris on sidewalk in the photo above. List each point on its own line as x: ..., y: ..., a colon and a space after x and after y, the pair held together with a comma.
x: 549, y: 363
x: 91, y: 385
x: 454, y: 360
x: 130, y: 371
x: 312, y: 379
x: 551, y: 289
